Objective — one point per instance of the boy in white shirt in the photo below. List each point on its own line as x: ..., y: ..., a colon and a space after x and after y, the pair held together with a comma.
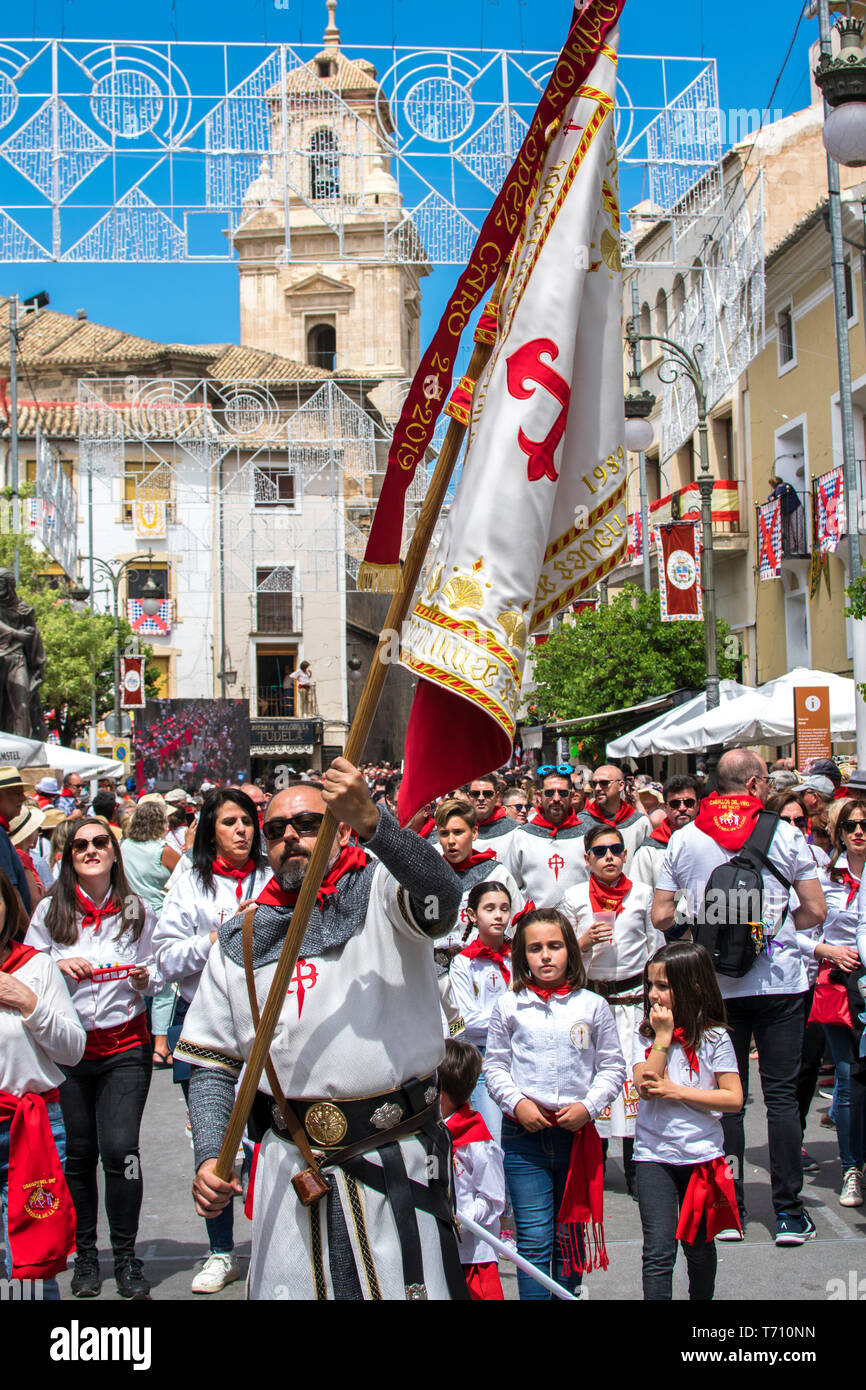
x: 479, y: 1178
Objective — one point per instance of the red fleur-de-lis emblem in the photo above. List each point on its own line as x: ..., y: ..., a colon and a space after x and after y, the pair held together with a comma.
x: 304, y: 978
x: 556, y: 862
x: 525, y: 365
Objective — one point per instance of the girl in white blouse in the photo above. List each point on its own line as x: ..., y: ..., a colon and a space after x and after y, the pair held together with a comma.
x: 553, y: 1063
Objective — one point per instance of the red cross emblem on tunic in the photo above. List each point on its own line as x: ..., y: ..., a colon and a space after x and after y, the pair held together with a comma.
x: 305, y: 977
x: 556, y: 862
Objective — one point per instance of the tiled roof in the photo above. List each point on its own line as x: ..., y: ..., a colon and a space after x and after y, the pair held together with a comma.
x: 350, y: 76
x: 247, y: 364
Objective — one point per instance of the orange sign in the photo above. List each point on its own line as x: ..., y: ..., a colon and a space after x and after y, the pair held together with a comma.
x: 812, y: 723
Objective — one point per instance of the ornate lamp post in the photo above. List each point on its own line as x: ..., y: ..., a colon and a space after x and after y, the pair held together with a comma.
x: 676, y: 362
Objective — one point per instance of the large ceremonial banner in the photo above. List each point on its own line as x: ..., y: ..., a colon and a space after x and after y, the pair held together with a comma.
x: 539, y: 513
x: 182, y: 743
x: 679, y: 555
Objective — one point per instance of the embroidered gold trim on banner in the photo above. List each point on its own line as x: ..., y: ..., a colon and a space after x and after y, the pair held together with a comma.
x: 460, y: 687
x: 569, y: 595
x: 470, y: 632
x: 597, y: 514
x: 357, y: 1206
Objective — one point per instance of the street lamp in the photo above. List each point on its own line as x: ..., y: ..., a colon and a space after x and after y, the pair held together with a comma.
x: 150, y: 601
x: 677, y: 361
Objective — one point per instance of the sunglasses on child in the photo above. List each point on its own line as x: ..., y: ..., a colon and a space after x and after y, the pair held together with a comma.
x: 98, y: 842
x: 305, y: 825
x: 600, y: 851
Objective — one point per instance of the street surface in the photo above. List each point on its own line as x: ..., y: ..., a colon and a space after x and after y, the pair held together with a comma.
x: 172, y: 1238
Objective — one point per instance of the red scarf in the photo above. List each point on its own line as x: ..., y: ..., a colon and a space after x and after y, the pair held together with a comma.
x: 623, y: 813
x: 477, y: 948
x: 91, y: 915
x: 570, y: 820
x: 5, y: 824
x: 852, y: 884
x: 224, y: 869
x: 499, y: 814
x: 350, y: 858
x: 427, y: 828
x: 476, y: 857
x: 710, y: 1193
x: 467, y: 1127
x: 729, y: 820
x: 662, y: 833
x: 608, y: 897
x: 40, y: 1211
x: 679, y: 1036
x: 546, y: 994
x: 580, y: 1219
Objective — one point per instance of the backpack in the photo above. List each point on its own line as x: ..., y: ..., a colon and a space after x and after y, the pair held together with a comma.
x: 730, y: 923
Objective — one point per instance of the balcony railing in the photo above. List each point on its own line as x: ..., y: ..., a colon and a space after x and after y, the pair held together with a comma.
x: 794, y: 525
x: 275, y: 702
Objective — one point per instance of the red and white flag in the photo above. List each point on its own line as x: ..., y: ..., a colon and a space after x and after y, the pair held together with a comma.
x: 830, y: 496
x: 678, y: 549
x: 539, y: 514
x: 770, y: 540
x: 132, y: 682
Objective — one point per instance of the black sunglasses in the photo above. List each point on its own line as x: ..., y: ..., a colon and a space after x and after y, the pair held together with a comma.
x: 519, y: 805
x: 556, y: 791
x: 676, y: 802
x: 850, y: 826
x: 800, y: 821
x: 599, y: 851
x: 565, y: 768
x: 303, y: 825
x: 98, y: 842
x: 475, y: 795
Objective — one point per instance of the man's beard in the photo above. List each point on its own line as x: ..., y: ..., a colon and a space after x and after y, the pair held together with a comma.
x: 291, y: 879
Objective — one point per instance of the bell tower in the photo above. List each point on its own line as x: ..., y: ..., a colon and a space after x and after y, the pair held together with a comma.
x: 336, y: 288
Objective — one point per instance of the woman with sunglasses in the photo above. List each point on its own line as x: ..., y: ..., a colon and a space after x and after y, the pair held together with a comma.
x: 790, y: 806
x: 90, y: 920
x: 841, y: 962
x: 228, y: 870
x: 611, y: 917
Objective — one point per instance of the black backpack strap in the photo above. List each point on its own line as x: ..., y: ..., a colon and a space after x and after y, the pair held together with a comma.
x: 758, y: 843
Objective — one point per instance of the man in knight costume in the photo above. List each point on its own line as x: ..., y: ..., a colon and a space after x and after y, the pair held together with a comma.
x: 350, y: 1094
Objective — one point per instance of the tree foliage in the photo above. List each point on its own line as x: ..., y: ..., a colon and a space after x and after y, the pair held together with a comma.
x: 620, y: 655
x: 79, y: 646
x: 856, y: 592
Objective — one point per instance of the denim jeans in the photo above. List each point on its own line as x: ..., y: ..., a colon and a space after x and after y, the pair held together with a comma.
x: 849, y: 1101
x: 777, y: 1021
x: 50, y: 1288
x: 103, y: 1101
x: 220, y: 1228
x: 536, y: 1167
x: 660, y: 1191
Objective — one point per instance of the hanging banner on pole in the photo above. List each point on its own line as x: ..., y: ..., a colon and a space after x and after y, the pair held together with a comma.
x: 680, y: 595
x: 830, y: 509
x: 132, y: 682
x: 770, y: 540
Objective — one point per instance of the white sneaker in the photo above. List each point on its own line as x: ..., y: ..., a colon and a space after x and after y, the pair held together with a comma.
x: 218, y: 1271
x: 852, y: 1195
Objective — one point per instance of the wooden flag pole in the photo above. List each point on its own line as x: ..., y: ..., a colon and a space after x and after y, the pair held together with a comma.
x: 355, y: 743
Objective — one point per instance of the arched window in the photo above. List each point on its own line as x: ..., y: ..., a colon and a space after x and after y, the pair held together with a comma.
x: 322, y: 346
x: 324, y: 165
x: 660, y: 317
x: 678, y: 295
x: 645, y: 323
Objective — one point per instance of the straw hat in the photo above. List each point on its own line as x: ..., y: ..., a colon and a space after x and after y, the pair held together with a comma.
x: 24, y: 824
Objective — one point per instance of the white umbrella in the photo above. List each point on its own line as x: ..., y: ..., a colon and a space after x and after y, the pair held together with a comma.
x: 29, y: 752
x: 766, y: 714
x: 21, y: 752
x: 655, y: 736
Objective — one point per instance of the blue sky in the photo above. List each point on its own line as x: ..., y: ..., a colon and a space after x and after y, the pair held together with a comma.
x: 199, y: 303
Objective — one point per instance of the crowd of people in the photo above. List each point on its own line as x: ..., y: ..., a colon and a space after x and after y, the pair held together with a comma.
x: 541, y: 962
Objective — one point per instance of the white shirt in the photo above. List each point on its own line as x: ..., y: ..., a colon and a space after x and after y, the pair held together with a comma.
x: 634, y: 939
x: 182, y: 938
x: 689, y: 860
x: 479, y: 1192
x: 476, y: 985
x: 109, y: 1003
x: 672, y: 1131
x: 841, y: 922
x: 546, y: 865
x: 463, y: 932
x: 33, y: 1049
x: 646, y: 862
x: 554, y: 1053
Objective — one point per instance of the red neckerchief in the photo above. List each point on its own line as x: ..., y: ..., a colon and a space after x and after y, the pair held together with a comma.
x: 539, y: 819
x: 608, y: 897
x: 477, y: 948
x: 851, y: 883
x: 729, y: 820
x: 26, y: 861
x: 679, y: 1036
x: 91, y: 915
x: 476, y: 857
x: 494, y: 816
x: 710, y: 1193
x: 350, y: 858
x: 663, y: 832
x: 580, y: 1219
x: 467, y: 1127
x: 224, y: 869
x: 427, y: 828
x: 545, y: 994
x: 40, y: 1210
x: 622, y: 813
x: 18, y: 955
x: 5, y: 824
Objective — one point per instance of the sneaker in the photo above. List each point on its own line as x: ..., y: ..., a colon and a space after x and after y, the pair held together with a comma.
x: 852, y: 1195
x: 826, y: 1092
x: 86, y: 1282
x: 218, y: 1270
x: 810, y: 1164
x: 130, y: 1280
x: 794, y: 1230
x: 731, y: 1233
